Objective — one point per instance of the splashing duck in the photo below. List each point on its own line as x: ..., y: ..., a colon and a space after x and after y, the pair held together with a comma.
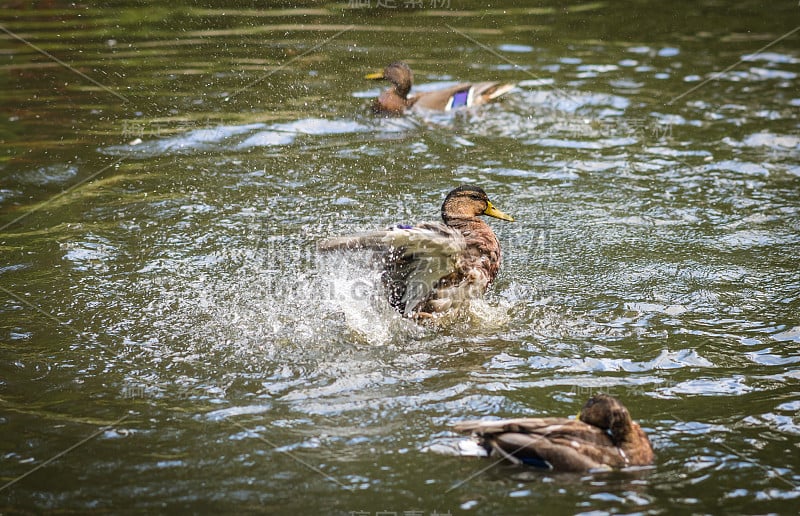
x: 433, y: 267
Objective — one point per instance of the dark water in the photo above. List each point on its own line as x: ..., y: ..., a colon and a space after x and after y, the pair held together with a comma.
x: 171, y: 340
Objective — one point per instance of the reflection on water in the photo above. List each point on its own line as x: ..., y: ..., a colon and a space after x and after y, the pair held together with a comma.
x: 160, y: 257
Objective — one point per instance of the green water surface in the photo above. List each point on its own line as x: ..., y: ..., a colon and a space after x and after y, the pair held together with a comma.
x: 171, y: 341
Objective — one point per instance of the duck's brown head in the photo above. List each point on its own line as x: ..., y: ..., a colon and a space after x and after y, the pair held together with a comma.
x: 469, y: 201
x: 399, y: 74
x: 606, y: 412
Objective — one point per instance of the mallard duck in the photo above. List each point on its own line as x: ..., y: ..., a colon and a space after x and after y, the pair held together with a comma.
x: 603, y: 437
x: 433, y: 267
x: 396, y: 100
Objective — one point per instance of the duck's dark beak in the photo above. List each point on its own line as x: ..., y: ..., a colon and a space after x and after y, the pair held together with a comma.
x: 494, y: 212
x: 375, y: 76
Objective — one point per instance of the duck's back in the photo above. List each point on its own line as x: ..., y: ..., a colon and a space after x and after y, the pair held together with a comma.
x: 554, y: 443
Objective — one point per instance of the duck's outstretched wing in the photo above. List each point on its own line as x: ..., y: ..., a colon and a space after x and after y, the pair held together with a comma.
x: 415, y: 259
x: 553, y: 443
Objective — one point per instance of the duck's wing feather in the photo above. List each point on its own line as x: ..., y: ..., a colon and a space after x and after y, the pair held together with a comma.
x: 486, y: 91
x: 555, y: 443
x: 414, y: 258
x: 521, y: 424
x: 461, y: 95
x: 552, y: 453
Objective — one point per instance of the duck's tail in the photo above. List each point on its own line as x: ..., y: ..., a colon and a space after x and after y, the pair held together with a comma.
x: 487, y: 91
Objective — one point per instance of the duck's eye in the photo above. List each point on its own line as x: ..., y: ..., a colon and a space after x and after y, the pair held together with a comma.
x: 475, y: 198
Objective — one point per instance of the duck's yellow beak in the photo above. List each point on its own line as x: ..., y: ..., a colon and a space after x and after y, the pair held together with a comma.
x: 494, y: 212
x: 376, y: 75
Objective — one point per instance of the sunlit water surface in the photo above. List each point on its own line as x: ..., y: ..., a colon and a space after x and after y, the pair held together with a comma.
x: 160, y: 272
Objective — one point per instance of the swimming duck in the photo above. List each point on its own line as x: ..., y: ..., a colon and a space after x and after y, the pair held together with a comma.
x: 433, y: 267
x: 396, y: 99
x: 603, y: 437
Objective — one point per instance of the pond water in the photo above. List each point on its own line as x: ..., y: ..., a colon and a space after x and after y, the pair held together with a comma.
x: 172, y: 340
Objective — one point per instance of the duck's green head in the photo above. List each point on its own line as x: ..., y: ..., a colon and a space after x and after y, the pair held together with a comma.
x: 470, y: 201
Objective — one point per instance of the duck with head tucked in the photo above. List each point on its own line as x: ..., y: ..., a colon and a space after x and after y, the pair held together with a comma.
x: 396, y: 100
x: 433, y: 267
x: 603, y: 437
